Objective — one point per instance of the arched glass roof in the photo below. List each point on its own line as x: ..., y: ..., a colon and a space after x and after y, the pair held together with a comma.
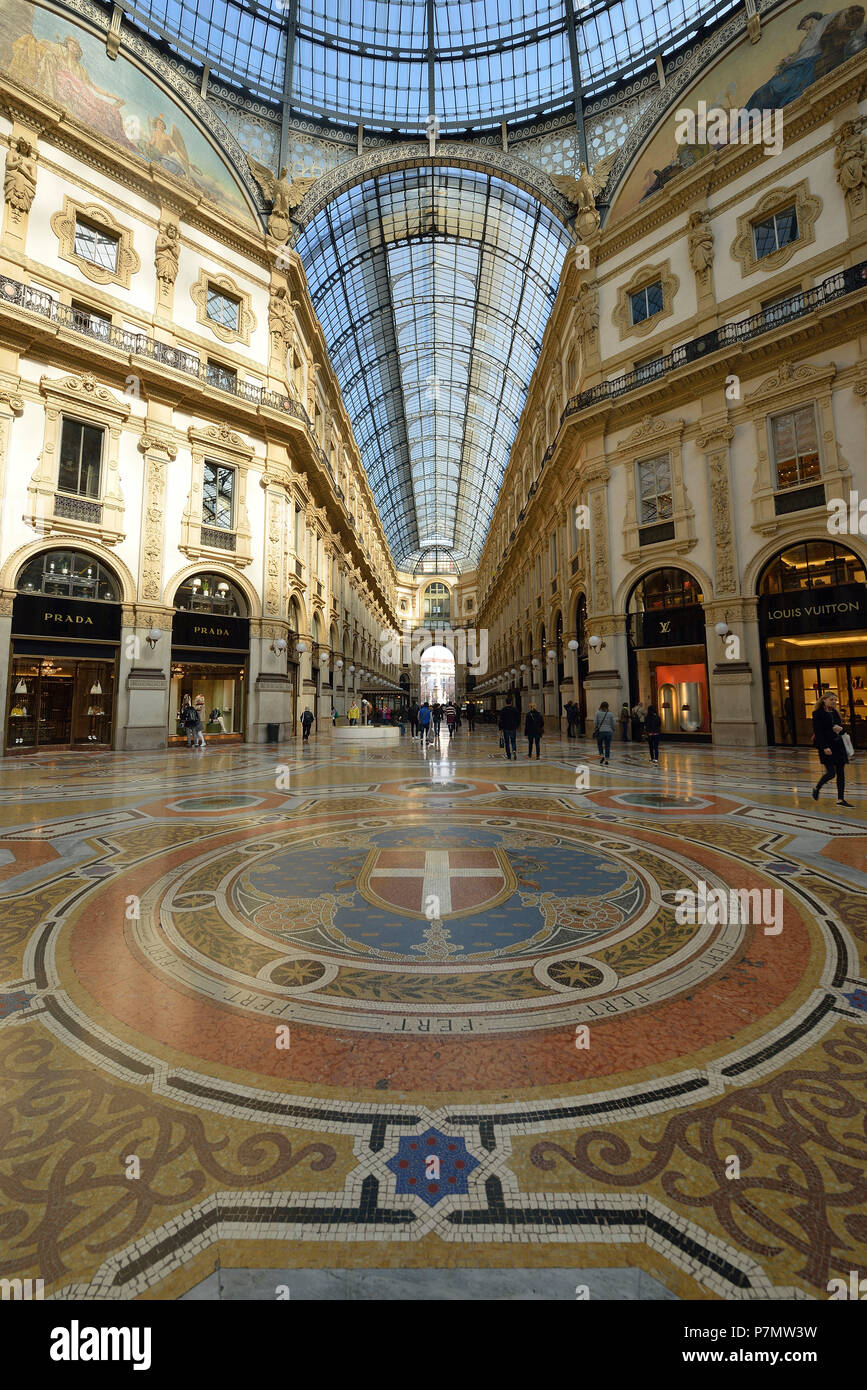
x: 390, y: 63
x: 433, y: 287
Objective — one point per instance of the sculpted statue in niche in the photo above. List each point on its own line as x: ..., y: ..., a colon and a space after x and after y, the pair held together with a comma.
x: 849, y: 160
x: 280, y: 319
x: 167, y: 252
x: 586, y: 303
x: 700, y: 239
x: 19, y: 184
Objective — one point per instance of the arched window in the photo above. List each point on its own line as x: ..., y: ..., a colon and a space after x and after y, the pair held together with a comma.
x: 69, y: 574
x: 211, y: 593
x: 665, y: 588
x: 811, y: 565
x: 437, y: 605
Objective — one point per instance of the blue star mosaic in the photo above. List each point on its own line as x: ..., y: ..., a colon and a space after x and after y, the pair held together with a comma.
x: 432, y: 1166
x: 858, y: 998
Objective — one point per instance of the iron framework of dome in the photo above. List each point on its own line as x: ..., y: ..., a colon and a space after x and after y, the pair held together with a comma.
x: 393, y: 63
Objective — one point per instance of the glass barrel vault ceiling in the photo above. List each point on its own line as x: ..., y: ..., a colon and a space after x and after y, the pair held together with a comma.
x: 389, y: 63
x: 433, y: 287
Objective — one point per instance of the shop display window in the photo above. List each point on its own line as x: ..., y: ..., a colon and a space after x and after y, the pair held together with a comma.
x: 218, y: 693
x: 60, y: 702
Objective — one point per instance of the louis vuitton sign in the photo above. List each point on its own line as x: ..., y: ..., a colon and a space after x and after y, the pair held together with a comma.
x: 669, y: 627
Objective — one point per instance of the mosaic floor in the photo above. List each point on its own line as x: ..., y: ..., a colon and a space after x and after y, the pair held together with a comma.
x: 339, y: 1010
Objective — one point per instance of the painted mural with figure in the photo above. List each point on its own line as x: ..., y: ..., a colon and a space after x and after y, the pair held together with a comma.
x: 61, y: 61
x: 797, y: 48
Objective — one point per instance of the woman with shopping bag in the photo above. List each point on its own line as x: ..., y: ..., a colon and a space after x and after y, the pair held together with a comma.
x: 833, y: 746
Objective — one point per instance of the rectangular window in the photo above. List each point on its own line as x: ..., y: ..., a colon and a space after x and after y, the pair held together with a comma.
x: 96, y: 245
x: 218, y: 502
x: 88, y: 320
x: 795, y: 442
x: 774, y: 232
x: 80, y: 458
x: 224, y: 378
x: 646, y: 302
x: 654, y: 491
x: 223, y: 309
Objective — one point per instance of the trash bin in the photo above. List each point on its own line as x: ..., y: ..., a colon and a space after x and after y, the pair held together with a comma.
x: 272, y: 733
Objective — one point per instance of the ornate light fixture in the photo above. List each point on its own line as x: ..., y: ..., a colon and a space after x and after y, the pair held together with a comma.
x: 279, y: 645
x: 596, y: 643
x: 153, y: 637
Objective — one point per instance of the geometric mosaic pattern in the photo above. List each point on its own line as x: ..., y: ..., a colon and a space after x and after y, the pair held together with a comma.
x: 428, y: 1013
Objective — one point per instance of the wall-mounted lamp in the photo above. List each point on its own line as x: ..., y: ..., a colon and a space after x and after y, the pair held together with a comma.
x: 535, y: 661
x: 722, y: 629
x: 552, y: 655
x: 574, y: 646
x: 339, y: 663
x: 300, y: 648
x: 153, y: 637
x: 596, y: 644
x: 279, y: 645
x: 523, y: 667
x: 325, y: 658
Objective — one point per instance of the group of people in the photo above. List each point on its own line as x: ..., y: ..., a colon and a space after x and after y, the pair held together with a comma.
x: 426, y: 719
x: 604, y: 726
x: 534, y: 727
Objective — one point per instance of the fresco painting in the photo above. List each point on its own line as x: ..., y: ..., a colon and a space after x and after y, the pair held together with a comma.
x: 796, y: 49
x: 63, y: 63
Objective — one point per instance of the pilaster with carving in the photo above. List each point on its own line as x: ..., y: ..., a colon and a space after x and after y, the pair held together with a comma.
x: 715, y: 441
x: 158, y: 452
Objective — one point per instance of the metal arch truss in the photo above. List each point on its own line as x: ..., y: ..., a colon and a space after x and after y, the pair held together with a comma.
x: 389, y: 64
x: 433, y: 286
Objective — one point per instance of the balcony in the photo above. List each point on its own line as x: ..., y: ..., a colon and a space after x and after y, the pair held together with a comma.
x: 728, y: 335
x: 77, y: 509
x: 218, y: 539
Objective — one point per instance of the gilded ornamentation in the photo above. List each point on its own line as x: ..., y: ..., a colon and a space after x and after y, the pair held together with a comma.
x: 284, y: 195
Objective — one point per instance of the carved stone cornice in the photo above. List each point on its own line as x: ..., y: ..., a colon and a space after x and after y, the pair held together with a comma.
x: 791, y: 377
x: 715, y: 437
x: 155, y: 443
x: 221, y: 437
x: 11, y: 399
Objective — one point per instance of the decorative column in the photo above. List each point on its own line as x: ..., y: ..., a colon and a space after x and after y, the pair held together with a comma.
x: 144, y: 684
x: 271, y: 687
x: 735, y: 696
x: 607, y: 676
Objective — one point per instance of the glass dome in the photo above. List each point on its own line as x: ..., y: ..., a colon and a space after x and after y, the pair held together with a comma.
x: 391, y: 63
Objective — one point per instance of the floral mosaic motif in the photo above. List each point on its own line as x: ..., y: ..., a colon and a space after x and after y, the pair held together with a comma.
x: 432, y: 1166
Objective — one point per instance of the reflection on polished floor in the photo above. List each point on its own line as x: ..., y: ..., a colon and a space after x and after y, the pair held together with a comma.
x: 269, y: 1012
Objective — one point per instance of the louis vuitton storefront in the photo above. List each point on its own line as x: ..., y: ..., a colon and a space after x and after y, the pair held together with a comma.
x: 66, y: 625
x: 668, y: 652
x: 210, y: 658
x: 813, y: 627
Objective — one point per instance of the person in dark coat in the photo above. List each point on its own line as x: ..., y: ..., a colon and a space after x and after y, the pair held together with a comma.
x: 413, y: 719
x: 307, y: 723
x: 508, y: 724
x: 653, y: 728
x: 828, y: 738
x: 534, y: 727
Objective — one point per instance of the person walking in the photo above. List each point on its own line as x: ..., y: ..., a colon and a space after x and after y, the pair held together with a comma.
x: 187, y: 719
x: 653, y: 729
x: 413, y: 719
x: 424, y: 723
x: 307, y: 723
x: 437, y: 717
x: 334, y: 716
x: 603, y: 728
x: 624, y: 721
x: 534, y: 727
x: 471, y: 717
x: 451, y: 715
x: 639, y: 714
x: 572, y: 717
x: 828, y: 730
x: 508, y: 724
x: 354, y: 712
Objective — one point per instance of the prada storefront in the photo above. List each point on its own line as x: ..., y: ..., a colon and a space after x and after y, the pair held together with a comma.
x: 813, y: 626
x: 210, y: 655
x: 66, y: 622
x: 668, y: 652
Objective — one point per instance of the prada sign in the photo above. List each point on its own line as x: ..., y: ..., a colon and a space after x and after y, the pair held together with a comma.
x: 837, y: 608
x: 211, y: 630
x: 669, y: 627
x: 39, y: 615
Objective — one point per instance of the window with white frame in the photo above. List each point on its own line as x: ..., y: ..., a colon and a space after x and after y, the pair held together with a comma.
x: 218, y: 496
x: 795, y: 447
x: 223, y: 308
x: 646, y: 302
x: 96, y: 245
x: 653, y: 481
x: 775, y: 232
x: 81, y: 447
